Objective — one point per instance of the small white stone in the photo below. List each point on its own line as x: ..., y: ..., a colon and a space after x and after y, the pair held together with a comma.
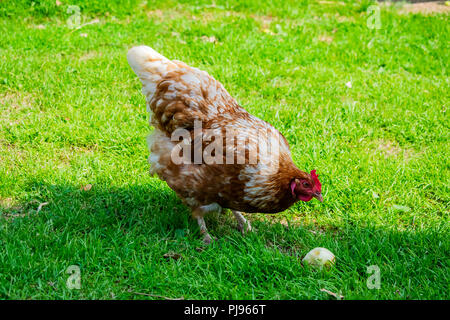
x: 319, y: 258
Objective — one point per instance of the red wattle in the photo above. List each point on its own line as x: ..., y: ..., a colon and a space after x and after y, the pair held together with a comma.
x: 305, y: 198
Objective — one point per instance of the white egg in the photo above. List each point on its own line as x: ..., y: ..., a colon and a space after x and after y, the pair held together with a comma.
x: 319, y: 258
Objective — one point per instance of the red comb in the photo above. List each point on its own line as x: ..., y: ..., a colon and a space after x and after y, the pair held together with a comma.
x: 317, y: 183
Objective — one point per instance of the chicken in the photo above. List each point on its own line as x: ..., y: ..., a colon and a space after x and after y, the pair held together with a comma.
x: 210, y: 150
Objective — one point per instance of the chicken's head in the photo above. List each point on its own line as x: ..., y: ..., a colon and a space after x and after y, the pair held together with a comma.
x: 308, y: 187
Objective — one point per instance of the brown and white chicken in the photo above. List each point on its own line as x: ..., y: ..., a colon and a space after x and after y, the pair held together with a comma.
x: 210, y: 150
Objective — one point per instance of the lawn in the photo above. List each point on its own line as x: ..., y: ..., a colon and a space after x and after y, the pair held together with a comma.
x: 362, y: 100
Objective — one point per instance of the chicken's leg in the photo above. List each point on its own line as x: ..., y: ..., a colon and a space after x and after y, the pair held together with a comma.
x: 203, y: 230
x: 199, y: 213
x: 244, y: 225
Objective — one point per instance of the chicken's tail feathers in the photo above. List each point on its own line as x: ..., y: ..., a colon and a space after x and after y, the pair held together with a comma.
x: 149, y: 66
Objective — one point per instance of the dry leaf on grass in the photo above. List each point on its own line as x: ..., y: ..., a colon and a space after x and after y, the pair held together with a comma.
x: 172, y: 255
x: 336, y: 295
x: 325, y: 38
x: 40, y: 206
x: 86, y: 187
x: 425, y: 8
x: 210, y: 39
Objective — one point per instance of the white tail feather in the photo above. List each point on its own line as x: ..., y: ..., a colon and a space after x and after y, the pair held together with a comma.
x: 149, y: 66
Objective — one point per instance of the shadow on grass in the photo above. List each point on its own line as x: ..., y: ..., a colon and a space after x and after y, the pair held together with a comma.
x: 120, y: 235
x: 153, y: 208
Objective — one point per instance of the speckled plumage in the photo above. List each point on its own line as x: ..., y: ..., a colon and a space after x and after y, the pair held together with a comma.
x: 178, y: 97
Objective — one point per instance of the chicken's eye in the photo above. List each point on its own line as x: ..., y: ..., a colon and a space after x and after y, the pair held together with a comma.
x: 306, y: 185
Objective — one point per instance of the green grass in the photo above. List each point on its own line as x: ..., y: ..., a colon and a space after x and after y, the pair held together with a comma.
x: 72, y: 114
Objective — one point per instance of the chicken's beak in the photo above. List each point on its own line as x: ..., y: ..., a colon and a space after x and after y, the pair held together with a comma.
x: 318, y: 196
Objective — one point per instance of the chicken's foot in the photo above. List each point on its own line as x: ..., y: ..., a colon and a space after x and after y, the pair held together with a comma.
x: 244, y: 225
